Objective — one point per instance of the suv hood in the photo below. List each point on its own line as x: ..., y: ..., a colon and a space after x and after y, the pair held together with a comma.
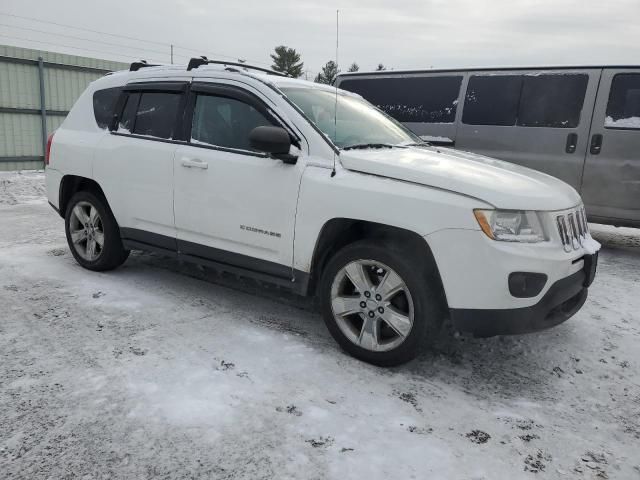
x: 502, y: 184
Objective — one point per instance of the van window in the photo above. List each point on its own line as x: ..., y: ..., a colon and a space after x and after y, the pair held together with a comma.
x: 104, y: 102
x: 411, y: 99
x: 549, y: 100
x: 623, y: 109
x: 492, y: 100
x: 225, y: 122
x: 553, y: 100
x: 157, y: 114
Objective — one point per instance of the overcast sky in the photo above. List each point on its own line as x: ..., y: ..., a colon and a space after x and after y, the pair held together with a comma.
x: 400, y: 34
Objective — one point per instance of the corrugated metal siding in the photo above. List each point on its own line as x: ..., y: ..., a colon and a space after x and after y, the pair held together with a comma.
x: 20, y: 134
x: 63, y: 87
x: 11, y: 166
x: 19, y: 86
x: 61, y: 58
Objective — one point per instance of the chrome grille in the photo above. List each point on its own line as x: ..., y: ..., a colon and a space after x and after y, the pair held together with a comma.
x: 573, y: 228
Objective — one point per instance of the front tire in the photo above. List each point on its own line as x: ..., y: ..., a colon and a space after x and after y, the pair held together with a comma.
x: 379, y: 305
x: 92, y: 233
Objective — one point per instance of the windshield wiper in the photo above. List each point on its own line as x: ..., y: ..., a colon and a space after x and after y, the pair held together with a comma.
x: 362, y: 146
x: 417, y: 144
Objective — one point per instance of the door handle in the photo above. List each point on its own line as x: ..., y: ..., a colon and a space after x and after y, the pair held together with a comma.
x: 194, y: 163
x: 572, y: 142
x: 596, y: 144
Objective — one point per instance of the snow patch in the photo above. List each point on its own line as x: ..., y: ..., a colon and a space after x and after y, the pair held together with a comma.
x: 434, y: 139
x: 629, y: 122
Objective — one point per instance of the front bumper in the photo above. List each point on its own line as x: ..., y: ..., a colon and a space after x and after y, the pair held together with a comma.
x: 561, y: 301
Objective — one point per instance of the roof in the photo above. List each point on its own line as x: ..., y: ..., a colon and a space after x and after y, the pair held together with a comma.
x: 156, y: 71
x: 483, y: 69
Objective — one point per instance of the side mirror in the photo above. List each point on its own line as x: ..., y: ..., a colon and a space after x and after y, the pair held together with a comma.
x: 274, y: 141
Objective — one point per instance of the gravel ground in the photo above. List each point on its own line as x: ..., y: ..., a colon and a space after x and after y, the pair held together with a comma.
x: 161, y: 370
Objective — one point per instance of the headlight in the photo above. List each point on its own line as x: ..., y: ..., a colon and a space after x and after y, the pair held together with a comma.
x: 511, y: 225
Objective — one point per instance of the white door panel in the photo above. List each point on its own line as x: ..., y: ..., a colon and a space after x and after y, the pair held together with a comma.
x: 137, y: 178
x: 242, y: 203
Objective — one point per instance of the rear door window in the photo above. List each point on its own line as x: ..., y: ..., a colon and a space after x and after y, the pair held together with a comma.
x: 492, y: 100
x: 553, y: 100
x: 104, y: 103
x: 157, y: 114
x: 411, y: 99
x: 623, y: 108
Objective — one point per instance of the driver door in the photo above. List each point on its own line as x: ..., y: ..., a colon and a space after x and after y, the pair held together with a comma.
x: 233, y: 205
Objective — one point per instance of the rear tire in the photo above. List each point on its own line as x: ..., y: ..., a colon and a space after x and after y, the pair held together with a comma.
x: 92, y: 233
x: 395, y: 311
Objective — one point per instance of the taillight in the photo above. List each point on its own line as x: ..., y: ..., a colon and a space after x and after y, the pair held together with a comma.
x: 47, y: 153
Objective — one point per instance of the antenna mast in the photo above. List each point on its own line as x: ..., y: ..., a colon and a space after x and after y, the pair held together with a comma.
x: 335, y: 109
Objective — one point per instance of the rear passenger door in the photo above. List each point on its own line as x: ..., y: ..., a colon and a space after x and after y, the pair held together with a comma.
x: 611, y: 184
x: 134, y: 163
x: 539, y: 119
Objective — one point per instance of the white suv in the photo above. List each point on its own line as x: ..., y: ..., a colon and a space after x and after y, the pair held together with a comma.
x: 255, y: 173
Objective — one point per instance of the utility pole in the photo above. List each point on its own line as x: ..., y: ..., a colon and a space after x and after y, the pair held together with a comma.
x: 172, y: 54
x: 43, y: 108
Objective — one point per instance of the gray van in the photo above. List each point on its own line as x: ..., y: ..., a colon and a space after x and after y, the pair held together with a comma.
x: 580, y: 124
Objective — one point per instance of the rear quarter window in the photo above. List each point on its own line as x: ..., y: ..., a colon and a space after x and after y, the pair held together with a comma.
x: 104, y: 103
x: 411, y: 99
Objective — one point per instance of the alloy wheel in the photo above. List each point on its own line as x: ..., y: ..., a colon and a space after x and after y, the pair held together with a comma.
x: 86, y: 231
x: 372, y: 305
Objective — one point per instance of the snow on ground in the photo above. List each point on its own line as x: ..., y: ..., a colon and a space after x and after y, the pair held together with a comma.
x: 160, y: 370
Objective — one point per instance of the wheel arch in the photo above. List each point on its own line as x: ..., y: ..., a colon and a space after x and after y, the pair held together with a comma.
x: 70, y: 185
x: 337, y: 233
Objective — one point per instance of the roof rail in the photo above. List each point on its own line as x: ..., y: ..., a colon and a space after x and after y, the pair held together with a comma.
x: 198, y: 61
x: 135, y: 66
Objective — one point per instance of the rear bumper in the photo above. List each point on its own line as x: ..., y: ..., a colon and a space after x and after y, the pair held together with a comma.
x: 561, y: 301
x: 52, y: 182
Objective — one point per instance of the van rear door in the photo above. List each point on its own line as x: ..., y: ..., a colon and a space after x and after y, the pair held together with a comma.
x: 611, y: 181
x: 536, y: 118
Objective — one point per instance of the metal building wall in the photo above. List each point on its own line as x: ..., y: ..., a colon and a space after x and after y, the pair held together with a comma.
x: 64, y: 77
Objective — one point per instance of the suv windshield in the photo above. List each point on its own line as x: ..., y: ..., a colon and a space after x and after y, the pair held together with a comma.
x: 358, y: 122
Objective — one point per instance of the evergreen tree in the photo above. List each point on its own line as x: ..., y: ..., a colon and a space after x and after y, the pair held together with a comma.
x: 380, y: 67
x: 354, y: 67
x: 328, y: 74
x: 287, y: 60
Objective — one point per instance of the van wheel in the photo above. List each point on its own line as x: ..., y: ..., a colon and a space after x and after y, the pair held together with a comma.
x: 93, y: 234
x: 380, y: 304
